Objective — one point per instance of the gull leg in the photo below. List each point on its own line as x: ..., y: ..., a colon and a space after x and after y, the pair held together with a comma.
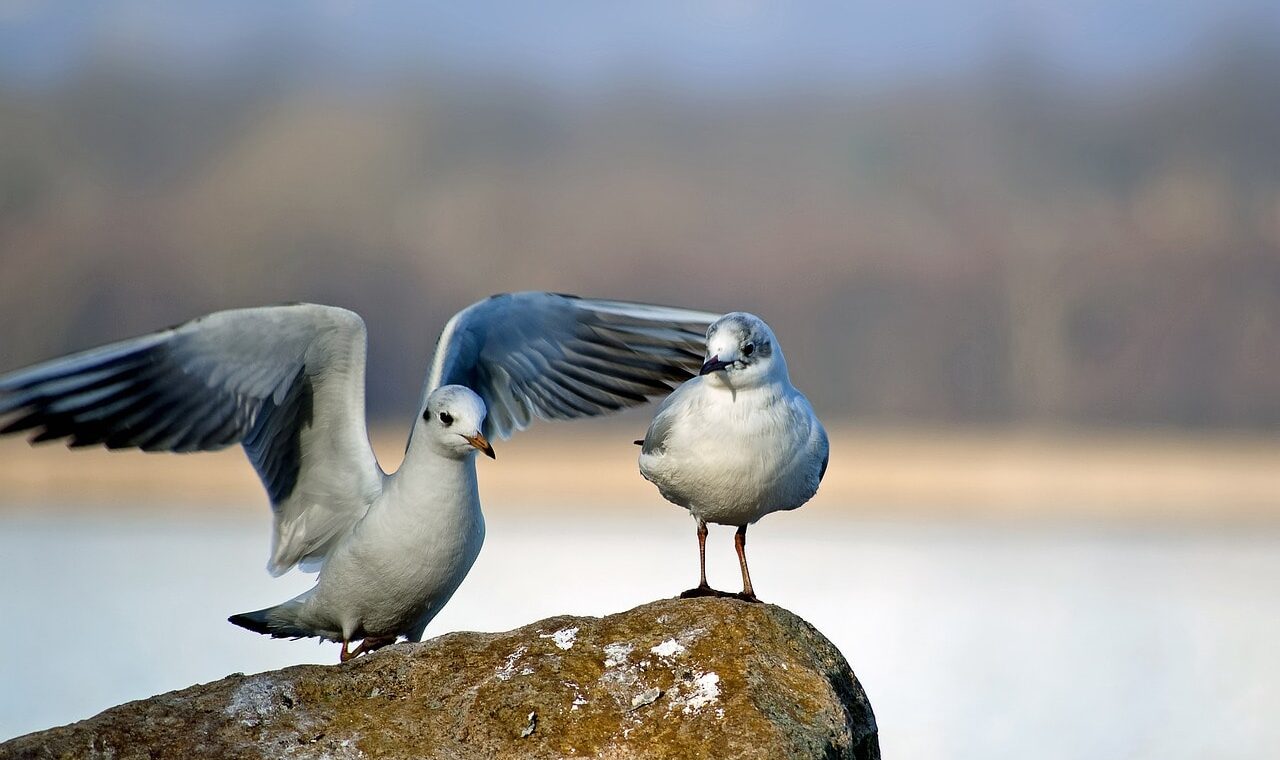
x: 703, y: 589
x: 740, y: 543
x: 369, y: 644
x: 344, y: 655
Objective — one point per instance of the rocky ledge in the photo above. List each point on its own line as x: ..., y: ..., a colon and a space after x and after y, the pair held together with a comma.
x: 695, y: 678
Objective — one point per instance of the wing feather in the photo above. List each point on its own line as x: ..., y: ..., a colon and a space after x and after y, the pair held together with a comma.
x: 554, y: 356
x: 260, y: 377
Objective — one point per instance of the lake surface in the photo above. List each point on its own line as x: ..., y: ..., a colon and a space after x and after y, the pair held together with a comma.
x: 972, y: 640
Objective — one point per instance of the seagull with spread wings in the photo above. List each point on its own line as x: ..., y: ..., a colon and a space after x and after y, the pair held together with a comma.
x: 287, y: 383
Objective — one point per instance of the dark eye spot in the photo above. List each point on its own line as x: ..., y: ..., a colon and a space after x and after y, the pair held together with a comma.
x: 749, y: 349
x: 446, y: 419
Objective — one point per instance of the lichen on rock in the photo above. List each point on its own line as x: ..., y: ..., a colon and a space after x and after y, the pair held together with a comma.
x: 679, y: 678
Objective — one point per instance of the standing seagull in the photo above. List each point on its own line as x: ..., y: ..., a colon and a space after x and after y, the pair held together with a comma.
x: 287, y: 383
x: 738, y: 441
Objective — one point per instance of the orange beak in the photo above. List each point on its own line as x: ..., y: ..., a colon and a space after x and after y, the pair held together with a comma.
x: 480, y: 442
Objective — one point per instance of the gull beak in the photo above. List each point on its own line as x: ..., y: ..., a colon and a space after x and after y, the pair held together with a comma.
x: 713, y: 365
x: 481, y: 443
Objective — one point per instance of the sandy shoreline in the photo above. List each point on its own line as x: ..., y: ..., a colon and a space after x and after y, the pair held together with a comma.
x: 873, y: 472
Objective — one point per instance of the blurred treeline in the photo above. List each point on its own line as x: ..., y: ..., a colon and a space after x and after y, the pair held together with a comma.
x: 994, y: 247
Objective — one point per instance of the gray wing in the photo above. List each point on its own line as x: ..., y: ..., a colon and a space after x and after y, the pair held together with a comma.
x: 559, y: 357
x: 286, y: 382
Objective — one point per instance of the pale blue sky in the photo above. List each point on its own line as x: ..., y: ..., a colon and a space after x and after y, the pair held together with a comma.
x: 578, y: 43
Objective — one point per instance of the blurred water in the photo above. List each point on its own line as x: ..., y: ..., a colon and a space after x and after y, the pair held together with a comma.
x: 972, y: 640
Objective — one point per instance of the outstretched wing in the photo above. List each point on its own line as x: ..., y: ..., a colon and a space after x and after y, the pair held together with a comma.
x: 286, y: 382
x: 558, y: 357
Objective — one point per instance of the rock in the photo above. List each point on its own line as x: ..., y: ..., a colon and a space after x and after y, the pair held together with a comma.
x: 694, y: 678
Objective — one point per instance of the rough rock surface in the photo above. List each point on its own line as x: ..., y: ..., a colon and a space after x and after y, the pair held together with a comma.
x: 696, y: 678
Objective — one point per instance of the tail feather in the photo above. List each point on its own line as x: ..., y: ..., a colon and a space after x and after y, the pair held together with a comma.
x: 276, y: 622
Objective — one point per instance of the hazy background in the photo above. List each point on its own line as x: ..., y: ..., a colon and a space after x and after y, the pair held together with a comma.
x: 952, y: 211
x: 1024, y: 258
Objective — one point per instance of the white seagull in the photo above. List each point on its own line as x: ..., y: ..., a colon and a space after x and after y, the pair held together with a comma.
x: 288, y: 382
x: 738, y: 441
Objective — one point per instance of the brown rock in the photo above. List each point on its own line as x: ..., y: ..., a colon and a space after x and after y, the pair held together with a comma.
x: 696, y: 678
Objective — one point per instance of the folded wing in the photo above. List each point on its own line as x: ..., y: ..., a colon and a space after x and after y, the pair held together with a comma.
x: 286, y: 382
x: 559, y: 357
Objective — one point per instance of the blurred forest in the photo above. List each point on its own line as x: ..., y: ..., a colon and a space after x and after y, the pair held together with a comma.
x: 998, y: 245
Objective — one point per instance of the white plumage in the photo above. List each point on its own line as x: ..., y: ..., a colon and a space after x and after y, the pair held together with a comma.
x: 738, y: 441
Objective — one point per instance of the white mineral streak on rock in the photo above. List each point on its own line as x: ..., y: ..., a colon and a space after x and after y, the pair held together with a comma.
x: 256, y: 699
x: 646, y: 697
x: 691, y: 635
x: 668, y: 648
x: 563, y: 638
x: 578, y: 699
x: 617, y: 653
x: 702, y: 690
x: 508, y: 668
x: 706, y: 691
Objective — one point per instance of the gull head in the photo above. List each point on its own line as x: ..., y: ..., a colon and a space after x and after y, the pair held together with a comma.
x: 453, y: 420
x: 742, y: 351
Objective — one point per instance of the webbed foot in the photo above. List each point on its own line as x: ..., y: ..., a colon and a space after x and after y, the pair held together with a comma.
x: 702, y: 590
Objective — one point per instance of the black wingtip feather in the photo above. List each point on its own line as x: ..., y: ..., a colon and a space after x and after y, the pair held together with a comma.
x: 247, y: 620
x: 269, y: 624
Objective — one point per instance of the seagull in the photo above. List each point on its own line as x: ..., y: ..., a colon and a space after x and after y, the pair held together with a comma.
x: 287, y: 383
x: 736, y: 442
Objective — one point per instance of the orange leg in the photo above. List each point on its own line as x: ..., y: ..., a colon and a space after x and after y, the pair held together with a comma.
x: 367, y: 644
x: 372, y: 643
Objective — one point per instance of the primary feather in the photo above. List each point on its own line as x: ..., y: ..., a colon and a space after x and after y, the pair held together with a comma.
x: 554, y: 356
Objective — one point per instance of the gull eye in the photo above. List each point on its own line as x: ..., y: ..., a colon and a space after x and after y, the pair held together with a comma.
x: 749, y: 349
x: 446, y: 419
